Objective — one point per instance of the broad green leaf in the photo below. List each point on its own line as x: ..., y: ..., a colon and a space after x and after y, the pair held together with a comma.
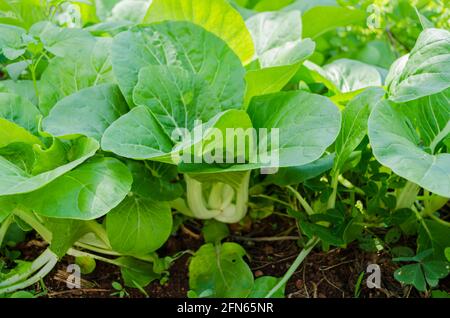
x: 295, y: 175
x: 378, y: 53
x: 23, y: 88
x: 221, y: 269
x: 64, y: 234
x: 273, y: 29
x: 85, y: 193
x: 87, y: 112
x: 354, y: 124
x: 62, y: 41
x: 136, y: 273
x: 138, y: 135
x: 424, y: 71
x: 12, y: 54
x: 20, y: 111
x: 46, y: 159
x: 291, y: 122
x: 14, y: 180
x: 307, y: 124
x: 431, y: 116
x: 15, y: 70
x: 277, y: 37
x: 214, y: 231
x: 321, y: 19
x: 22, y: 155
x: 434, y: 271
x: 268, y: 80
x: 311, y: 73
x: 350, y: 75
x: 411, y: 275
x: 179, y: 44
x: 434, y: 236
x: 397, y: 145
x: 263, y: 285
x: 11, y: 133
x: 138, y: 226
x: 10, y: 37
x: 176, y: 97
x: 67, y: 75
x: 217, y: 17
x: 156, y: 181
x: 23, y: 13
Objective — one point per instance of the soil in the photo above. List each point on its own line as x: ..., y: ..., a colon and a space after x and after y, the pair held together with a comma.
x: 330, y: 274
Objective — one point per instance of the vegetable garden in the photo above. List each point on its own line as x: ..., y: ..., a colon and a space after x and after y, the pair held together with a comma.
x: 213, y: 148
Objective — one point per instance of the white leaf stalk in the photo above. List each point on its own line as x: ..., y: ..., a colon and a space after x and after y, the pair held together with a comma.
x: 222, y: 200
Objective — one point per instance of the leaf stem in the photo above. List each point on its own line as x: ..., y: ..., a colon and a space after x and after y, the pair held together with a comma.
x: 306, y: 250
x: 302, y: 201
x: 31, y: 220
x: 4, y: 228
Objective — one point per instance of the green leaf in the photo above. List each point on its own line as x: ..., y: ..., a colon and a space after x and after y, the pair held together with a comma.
x: 321, y: 19
x: 15, y: 70
x: 221, y: 268
x: 87, y: 264
x: 138, y: 135
x: 217, y: 17
x: 354, y: 124
x: 87, y: 112
x: 136, y: 272
x: 179, y: 44
x: 138, y: 226
x: 434, y: 271
x: 20, y: 111
x: 277, y: 37
x: 23, y: 88
x: 307, y: 123
x: 263, y: 285
x: 435, y: 236
x: 268, y: 80
x: 10, y: 37
x: 85, y: 193
x: 214, y: 231
x: 411, y: 275
x: 14, y: 180
x: 350, y: 75
x: 62, y: 41
x: 299, y: 174
x: 11, y: 133
x: 396, y: 145
x: 64, y: 234
x: 69, y: 74
x: 176, y: 97
x: 447, y: 253
x: 424, y: 71
x: 22, y: 13
x: 49, y: 158
x: 431, y: 116
x: 156, y: 181
x: 12, y: 54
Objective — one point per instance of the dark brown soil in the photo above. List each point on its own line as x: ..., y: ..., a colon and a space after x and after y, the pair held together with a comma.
x: 323, y: 275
